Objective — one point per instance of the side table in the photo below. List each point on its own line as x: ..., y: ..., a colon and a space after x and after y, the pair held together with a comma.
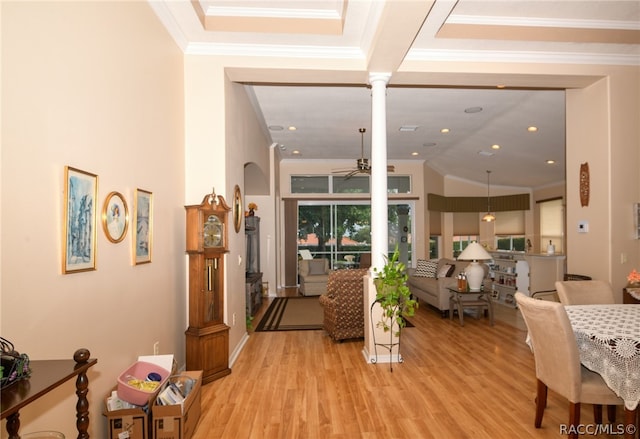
x: 628, y: 298
x: 468, y: 299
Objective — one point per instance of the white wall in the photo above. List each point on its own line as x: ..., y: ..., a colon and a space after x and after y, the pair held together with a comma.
x: 97, y: 86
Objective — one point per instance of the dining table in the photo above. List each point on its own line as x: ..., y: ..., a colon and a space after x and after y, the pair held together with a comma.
x: 608, y: 338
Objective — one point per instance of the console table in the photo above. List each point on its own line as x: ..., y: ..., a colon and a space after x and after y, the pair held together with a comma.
x: 46, y: 375
x: 253, y: 292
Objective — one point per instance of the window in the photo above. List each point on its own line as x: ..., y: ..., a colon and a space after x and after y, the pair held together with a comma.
x: 353, y: 185
x: 511, y: 243
x: 340, y: 184
x: 335, y: 229
x: 509, y: 230
x: 434, y: 247
x: 309, y: 184
x: 461, y: 242
x: 552, y: 224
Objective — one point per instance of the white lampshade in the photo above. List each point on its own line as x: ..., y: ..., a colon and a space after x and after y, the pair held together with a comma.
x: 474, y: 252
x: 475, y: 273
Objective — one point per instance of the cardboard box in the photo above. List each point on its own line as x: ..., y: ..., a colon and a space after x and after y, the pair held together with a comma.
x: 179, y: 421
x: 132, y: 423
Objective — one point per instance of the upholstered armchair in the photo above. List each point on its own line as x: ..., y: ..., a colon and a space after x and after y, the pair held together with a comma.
x: 314, y: 274
x: 344, y: 304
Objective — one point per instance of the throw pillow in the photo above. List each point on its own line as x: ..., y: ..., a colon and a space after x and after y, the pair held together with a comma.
x: 446, y: 270
x: 426, y: 268
x: 316, y: 266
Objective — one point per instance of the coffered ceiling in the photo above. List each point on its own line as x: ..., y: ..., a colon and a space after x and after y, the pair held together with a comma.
x: 328, y: 105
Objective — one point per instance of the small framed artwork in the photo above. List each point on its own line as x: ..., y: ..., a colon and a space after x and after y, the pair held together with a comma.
x: 80, y: 197
x: 142, y: 227
x: 115, y: 217
x: 237, y: 209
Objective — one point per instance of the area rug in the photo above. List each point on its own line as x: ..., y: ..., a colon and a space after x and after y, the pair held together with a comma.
x: 292, y: 314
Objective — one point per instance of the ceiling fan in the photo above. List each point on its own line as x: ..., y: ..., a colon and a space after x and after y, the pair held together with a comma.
x: 362, y: 164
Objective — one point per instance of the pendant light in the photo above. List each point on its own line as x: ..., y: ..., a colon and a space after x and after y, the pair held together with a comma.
x: 488, y: 217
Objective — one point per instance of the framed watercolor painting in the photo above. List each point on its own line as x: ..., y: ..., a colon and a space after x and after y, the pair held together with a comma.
x: 80, y: 194
x: 142, y: 227
x: 115, y: 217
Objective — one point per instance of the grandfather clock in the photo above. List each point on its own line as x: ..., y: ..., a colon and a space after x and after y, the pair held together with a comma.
x: 207, y: 336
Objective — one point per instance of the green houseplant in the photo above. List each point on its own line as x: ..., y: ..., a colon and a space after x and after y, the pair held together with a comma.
x: 393, y: 295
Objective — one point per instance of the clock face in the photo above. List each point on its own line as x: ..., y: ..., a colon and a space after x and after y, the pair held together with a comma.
x: 212, y: 231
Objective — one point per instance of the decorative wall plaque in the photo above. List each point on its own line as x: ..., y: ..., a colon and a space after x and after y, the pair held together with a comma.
x: 584, y: 184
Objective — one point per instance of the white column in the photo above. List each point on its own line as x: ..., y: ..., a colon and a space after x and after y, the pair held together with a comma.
x: 379, y: 220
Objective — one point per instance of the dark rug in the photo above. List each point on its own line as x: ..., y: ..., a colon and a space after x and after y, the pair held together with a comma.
x: 292, y: 314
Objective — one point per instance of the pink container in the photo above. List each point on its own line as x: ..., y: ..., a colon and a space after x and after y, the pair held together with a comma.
x: 139, y: 370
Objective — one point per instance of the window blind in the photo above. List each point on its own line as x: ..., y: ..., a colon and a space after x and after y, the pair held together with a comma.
x: 509, y: 223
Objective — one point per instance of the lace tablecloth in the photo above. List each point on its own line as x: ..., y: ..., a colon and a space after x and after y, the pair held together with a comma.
x: 608, y: 339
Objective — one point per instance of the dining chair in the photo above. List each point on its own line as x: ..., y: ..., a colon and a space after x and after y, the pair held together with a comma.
x: 557, y: 362
x: 585, y: 292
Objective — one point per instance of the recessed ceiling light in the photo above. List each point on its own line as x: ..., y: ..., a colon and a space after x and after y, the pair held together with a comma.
x: 444, y: 130
x: 532, y: 129
x: 429, y: 144
x: 500, y: 86
x: 408, y: 128
x: 473, y: 110
x: 282, y: 147
x: 292, y: 128
x: 485, y: 153
x: 295, y: 152
x: 550, y: 162
x: 496, y: 146
x: 414, y: 153
x: 276, y: 127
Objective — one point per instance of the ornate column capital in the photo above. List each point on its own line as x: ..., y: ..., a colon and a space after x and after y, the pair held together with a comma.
x: 379, y: 76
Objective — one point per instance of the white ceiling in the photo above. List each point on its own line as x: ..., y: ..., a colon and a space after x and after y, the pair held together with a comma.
x: 387, y: 36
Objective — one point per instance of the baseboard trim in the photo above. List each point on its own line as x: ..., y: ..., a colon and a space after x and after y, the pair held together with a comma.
x: 236, y: 352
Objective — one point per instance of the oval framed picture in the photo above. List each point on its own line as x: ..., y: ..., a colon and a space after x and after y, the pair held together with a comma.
x: 115, y: 217
x: 237, y: 209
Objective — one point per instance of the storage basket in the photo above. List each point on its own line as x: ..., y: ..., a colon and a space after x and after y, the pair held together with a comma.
x: 139, y: 371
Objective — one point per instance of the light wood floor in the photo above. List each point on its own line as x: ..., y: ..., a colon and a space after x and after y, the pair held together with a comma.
x: 475, y: 381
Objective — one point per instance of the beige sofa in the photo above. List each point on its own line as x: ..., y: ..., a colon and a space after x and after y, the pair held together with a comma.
x: 431, y: 288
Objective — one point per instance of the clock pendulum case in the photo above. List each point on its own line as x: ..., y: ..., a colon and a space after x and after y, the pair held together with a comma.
x: 207, y: 338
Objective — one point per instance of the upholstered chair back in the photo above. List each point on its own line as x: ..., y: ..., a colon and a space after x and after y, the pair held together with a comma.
x: 344, y: 304
x: 313, y: 267
x: 584, y: 292
x: 554, y: 345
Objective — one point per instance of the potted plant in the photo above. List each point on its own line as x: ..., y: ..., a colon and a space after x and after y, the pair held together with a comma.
x: 393, y: 295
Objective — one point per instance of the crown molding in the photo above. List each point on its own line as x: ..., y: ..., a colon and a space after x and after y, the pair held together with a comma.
x: 521, y: 57
x: 325, y: 52
x: 542, y: 22
x: 318, y: 14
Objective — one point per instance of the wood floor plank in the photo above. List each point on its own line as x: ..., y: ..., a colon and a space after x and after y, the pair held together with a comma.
x: 475, y: 381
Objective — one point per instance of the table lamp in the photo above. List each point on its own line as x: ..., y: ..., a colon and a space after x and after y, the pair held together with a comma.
x: 474, y: 252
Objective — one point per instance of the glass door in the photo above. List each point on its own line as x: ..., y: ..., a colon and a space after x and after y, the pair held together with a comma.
x: 341, y: 231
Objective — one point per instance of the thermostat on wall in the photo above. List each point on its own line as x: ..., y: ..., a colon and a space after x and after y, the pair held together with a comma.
x: 583, y: 226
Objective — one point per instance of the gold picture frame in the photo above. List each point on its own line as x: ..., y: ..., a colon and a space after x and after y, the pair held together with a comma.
x: 115, y: 217
x: 80, y: 195
x: 142, y: 227
x: 238, y: 211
